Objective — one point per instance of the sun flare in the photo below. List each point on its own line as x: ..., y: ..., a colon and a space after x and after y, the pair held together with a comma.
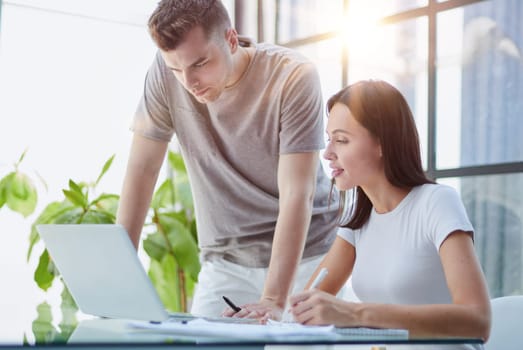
x: 359, y: 27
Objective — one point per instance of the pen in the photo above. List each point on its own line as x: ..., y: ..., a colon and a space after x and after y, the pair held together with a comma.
x: 231, y: 304
x: 321, y: 275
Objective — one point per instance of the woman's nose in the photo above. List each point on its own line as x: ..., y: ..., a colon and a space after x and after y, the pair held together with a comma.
x: 328, y: 152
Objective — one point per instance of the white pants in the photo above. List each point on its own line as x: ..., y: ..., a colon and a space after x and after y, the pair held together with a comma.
x: 241, y: 284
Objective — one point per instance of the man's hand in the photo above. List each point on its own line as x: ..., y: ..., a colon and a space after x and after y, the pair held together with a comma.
x: 263, y: 310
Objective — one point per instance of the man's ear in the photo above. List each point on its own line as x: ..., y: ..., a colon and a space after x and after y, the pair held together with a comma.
x: 231, y: 36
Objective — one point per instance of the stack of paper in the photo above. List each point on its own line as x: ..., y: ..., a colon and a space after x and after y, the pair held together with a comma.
x: 201, y: 327
x: 273, y: 330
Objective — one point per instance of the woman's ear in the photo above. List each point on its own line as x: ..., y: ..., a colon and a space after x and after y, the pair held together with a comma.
x: 231, y: 36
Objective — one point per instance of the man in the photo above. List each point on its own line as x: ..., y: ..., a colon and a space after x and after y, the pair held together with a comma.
x: 249, y: 124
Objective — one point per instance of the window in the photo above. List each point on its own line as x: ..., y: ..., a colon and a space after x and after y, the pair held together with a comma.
x: 460, y: 65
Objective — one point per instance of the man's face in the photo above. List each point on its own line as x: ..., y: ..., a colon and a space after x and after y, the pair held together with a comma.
x: 203, y: 66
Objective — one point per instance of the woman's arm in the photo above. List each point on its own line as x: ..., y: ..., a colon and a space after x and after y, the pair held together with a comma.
x: 467, y: 316
x: 339, y: 261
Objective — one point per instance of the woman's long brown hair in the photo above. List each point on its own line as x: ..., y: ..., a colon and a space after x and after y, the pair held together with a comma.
x: 383, y: 111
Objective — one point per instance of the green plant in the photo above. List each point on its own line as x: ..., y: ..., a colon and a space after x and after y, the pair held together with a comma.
x: 172, y: 247
x: 43, y: 326
x: 75, y: 208
x: 17, y: 191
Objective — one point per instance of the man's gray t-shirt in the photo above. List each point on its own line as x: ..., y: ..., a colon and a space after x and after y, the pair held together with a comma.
x: 231, y: 149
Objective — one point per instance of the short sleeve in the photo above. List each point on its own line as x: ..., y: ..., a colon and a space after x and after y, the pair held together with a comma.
x: 302, y: 111
x: 347, y: 234
x: 152, y: 118
x: 446, y: 214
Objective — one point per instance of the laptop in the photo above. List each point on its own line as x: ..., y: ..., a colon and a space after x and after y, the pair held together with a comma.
x: 101, y: 268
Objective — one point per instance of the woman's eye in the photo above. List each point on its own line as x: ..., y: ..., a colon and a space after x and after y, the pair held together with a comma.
x: 201, y: 64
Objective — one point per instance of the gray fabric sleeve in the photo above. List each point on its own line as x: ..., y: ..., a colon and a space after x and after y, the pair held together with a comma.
x: 302, y: 112
x: 152, y: 118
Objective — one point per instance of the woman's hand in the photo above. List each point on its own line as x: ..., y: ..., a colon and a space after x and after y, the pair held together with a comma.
x: 315, y: 307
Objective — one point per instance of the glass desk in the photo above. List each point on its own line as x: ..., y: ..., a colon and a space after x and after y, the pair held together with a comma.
x: 96, y: 333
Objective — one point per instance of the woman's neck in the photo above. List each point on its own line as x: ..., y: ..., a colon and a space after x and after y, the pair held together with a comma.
x: 385, y: 197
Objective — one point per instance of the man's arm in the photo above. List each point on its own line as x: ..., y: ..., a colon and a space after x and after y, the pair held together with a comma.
x: 145, y: 160
x: 297, y: 184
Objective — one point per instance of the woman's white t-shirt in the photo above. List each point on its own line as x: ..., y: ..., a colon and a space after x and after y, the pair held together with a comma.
x: 397, y: 260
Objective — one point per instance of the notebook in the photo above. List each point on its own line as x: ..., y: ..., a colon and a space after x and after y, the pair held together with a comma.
x: 101, y: 268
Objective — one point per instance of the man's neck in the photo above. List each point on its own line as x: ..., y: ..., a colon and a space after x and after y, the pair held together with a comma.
x: 241, y: 60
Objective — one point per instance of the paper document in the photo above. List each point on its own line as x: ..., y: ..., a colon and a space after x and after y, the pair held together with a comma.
x: 272, y: 330
x: 201, y: 327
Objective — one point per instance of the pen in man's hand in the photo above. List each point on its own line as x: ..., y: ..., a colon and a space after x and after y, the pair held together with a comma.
x: 231, y: 304
x: 321, y: 275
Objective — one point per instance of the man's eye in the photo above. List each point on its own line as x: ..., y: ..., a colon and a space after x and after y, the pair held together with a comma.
x: 201, y: 64
x: 342, y: 141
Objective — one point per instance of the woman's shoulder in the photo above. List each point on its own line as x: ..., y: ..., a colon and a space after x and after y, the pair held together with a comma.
x: 435, y: 191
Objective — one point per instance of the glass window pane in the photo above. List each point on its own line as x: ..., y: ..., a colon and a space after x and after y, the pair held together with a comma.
x: 495, y: 207
x: 303, y: 18
x: 396, y: 53
x: 326, y: 55
x: 480, y: 84
x: 383, y: 8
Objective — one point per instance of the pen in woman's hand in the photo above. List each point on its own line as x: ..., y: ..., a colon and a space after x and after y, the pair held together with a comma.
x: 321, y: 275
x: 231, y: 304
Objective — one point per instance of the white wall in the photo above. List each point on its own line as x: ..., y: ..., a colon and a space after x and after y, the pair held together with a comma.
x: 69, y: 84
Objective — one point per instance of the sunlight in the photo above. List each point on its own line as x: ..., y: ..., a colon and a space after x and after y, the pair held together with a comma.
x: 359, y: 27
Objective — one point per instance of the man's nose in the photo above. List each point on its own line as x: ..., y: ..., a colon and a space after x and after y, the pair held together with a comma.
x: 190, y: 80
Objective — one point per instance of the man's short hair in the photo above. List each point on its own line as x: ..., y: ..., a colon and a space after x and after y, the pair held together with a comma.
x: 173, y: 19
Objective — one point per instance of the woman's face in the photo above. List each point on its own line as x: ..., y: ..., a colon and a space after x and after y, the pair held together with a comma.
x: 354, y: 154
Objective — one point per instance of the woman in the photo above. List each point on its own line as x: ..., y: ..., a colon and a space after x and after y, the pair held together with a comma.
x: 408, y: 242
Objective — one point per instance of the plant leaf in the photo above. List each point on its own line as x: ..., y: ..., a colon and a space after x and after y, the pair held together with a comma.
x: 21, y: 194
x: 47, y: 216
x: 42, y: 327
x: 164, y: 196
x: 69, y: 320
x: 182, y: 244
x: 164, y: 277
x: 75, y: 198
x: 43, y: 275
x: 73, y: 186
x: 71, y: 216
x: 21, y: 157
x: 106, y: 167
x: 106, y: 200
x: 176, y: 162
x: 97, y: 217
x: 3, y: 188
x: 156, y: 246
x: 182, y: 190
